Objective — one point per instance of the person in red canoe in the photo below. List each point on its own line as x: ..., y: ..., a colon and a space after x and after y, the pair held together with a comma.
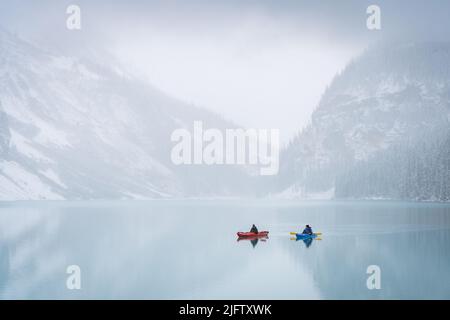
x: 254, y: 229
x: 308, y: 230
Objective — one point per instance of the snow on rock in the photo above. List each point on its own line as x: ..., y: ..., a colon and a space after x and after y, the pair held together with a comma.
x: 50, y: 174
x: 17, y: 183
x: 85, y: 129
x: 296, y: 193
x: 24, y: 147
x: 389, y: 95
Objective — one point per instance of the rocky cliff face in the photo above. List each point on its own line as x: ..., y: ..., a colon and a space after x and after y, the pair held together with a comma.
x: 87, y: 129
x: 388, y: 96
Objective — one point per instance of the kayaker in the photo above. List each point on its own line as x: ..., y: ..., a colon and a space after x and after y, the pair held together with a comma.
x: 308, y: 230
x: 254, y: 229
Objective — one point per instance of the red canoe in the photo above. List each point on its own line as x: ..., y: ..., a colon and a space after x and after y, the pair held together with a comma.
x: 252, y: 234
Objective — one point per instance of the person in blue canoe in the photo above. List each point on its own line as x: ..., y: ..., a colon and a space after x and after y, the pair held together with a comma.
x: 254, y: 229
x: 307, y: 230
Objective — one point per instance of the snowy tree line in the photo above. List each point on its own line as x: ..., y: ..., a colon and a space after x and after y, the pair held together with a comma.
x: 418, y: 170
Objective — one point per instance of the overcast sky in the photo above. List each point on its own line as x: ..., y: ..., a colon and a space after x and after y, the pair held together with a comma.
x: 262, y: 64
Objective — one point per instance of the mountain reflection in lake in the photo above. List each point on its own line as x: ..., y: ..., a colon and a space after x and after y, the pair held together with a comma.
x: 189, y: 250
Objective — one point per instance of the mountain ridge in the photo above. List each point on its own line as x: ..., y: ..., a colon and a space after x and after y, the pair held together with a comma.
x: 78, y: 129
x: 388, y: 94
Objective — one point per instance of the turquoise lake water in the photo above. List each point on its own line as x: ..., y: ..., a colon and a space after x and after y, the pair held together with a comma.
x: 188, y: 249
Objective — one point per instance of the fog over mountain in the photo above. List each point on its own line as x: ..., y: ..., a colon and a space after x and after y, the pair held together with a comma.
x: 389, y: 106
x: 82, y: 129
x: 85, y: 127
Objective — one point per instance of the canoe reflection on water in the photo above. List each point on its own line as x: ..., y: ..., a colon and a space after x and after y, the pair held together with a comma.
x: 254, y: 240
x: 307, y: 241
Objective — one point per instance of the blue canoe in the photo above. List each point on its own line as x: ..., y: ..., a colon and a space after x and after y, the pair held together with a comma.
x: 302, y: 236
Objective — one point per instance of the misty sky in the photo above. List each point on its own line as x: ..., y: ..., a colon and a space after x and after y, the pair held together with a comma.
x: 262, y: 64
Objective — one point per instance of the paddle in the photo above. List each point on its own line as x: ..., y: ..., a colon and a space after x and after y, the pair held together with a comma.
x: 316, y: 233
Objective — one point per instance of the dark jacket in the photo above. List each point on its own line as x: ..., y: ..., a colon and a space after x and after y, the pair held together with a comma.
x: 308, y: 231
x: 254, y: 229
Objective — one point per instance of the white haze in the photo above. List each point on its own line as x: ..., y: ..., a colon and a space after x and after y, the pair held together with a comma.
x: 258, y: 73
x: 259, y: 63
x: 259, y: 66
x: 75, y: 124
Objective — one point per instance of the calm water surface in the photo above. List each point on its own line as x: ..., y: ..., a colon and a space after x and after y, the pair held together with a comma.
x: 189, y: 250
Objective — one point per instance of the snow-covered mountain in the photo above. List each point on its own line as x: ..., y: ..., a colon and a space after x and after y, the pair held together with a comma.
x: 77, y: 128
x: 388, y: 96
x: 73, y: 128
x: 4, y: 133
